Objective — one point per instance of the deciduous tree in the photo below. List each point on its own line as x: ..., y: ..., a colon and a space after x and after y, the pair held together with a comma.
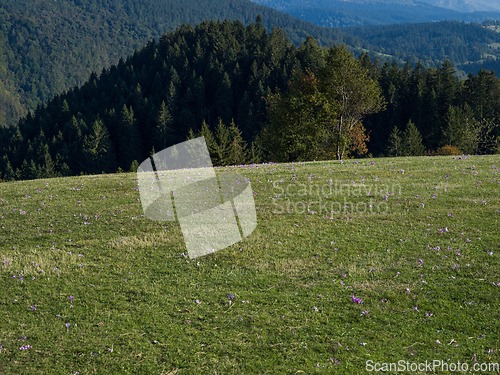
x: 347, y: 84
x: 296, y: 127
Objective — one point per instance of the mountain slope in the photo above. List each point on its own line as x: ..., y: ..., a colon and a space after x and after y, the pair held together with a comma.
x: 339, y: 13
x: 154, y: 97
x: 467, y: 5
x: 434, y: 42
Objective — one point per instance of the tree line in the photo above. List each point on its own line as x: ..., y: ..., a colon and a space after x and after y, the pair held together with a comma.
x: 256, y: 97
x: 444, y: 109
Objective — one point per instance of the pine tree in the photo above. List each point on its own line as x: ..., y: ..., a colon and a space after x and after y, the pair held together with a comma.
x: 33, y: 171
x: 190, y: 135
x: 412, y: 141
x: 223, y: 136
x: 210, y: 141
x: 163, y: 125
x: 130, y: 140
x: 48, y: 170
x: 7, y: 171
x: 257, y: 151
x: 98, y: 149
x: 24, y: 175
x: 394, y: 142
x: 224, y: 97
x: 238, y: 153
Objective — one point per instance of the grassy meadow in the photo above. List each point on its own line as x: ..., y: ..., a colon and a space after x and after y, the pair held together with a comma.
x: 406, y: 269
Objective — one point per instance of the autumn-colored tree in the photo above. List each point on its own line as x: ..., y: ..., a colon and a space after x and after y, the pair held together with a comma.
x: 358, y: 140
x: 321, y: 116
x: 345, y: 83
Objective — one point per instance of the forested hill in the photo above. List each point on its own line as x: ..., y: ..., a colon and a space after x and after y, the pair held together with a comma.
x: 47, y: 47
x: 341, y: 13
x: 435, y: 42
x: 215, y: 70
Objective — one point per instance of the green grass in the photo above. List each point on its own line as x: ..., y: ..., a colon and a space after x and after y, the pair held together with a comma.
x: 136, y: 293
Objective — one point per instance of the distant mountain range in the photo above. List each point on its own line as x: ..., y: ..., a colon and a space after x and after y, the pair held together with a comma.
x: 340, y: 13
x: 467, y: 5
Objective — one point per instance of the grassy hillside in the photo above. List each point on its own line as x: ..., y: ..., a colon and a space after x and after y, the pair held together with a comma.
x: 91, y: 286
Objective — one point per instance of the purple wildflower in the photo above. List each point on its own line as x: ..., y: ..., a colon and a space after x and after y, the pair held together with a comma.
x: 356, y: 300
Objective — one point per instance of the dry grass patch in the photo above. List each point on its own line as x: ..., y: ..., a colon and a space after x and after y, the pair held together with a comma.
x: 147, y: 240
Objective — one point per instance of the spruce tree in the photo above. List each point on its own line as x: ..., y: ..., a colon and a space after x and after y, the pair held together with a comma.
x: 134, y: 166
x: 223, y: 98
x: 186, y: 120
x: 244, y: 116
x: 394, y: 142
x: 163, y: 125
x: 223, y: 136
x: 61, y: 165
x: 461, y: 129
x: 30, y: 153
x: 210, y: 141
x: 7, y: 171
x: 257, y: 151
x: 199, y: 97
x: 40, y: 154
x: 48, y: 169
x: 98, y: 149
x: 191, y: 135
x: 130, y: 140
x: 24, y: 171
x: 412, y: 141
x: 33, y: 171
x: 238, y: 153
